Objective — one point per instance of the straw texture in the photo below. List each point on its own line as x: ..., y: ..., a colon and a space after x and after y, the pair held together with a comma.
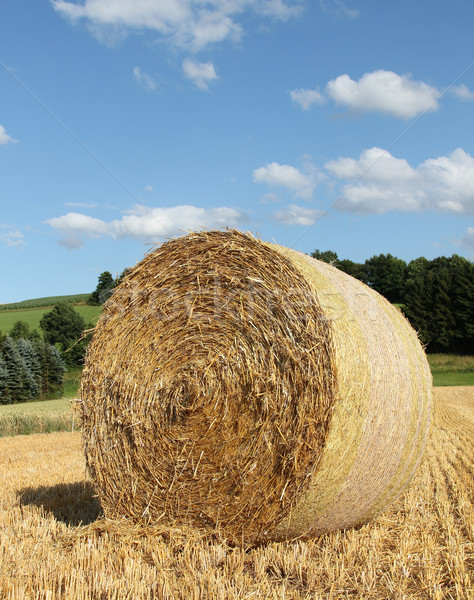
x: 247, y: 388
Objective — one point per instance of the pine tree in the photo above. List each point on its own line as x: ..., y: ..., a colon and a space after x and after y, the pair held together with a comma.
x: 52, y: 369
x: 32, y: 367
x: 16, y: 373
x: 5, y: 397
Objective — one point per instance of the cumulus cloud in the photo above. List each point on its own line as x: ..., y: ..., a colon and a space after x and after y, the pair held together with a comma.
x: 375, y: 164
x: 462, y: 92
x: 11, y: 236
x: 306, y: 98
x: 297, y: 215
x: 378, y: 182
x: 201, y: 74
x: 4, y: 137
x: 184, y: 23
x: 142, y: 223
x: 301, y: 183
x: 146, y: 81
x: 386, y: 92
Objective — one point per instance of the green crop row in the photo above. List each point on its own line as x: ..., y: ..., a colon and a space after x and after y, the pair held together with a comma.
x: 46, y: 301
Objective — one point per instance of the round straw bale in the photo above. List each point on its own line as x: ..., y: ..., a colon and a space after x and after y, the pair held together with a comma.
x: 240, y: 386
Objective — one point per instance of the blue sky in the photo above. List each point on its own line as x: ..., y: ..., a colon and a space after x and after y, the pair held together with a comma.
x: 331, y: 124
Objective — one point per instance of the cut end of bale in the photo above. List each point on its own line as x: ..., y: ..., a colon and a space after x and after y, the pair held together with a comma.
x: 214, y: 383
x: 208, y: 387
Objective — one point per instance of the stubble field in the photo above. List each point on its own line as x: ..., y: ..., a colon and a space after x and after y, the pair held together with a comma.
x: 54, y: 542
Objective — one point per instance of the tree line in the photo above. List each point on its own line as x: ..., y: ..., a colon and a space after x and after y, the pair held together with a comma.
x: 436, y: 296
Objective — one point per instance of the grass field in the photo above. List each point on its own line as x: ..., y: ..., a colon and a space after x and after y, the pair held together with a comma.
x: 33, y: 316
x: 54, y: 543
x: 451, y: 369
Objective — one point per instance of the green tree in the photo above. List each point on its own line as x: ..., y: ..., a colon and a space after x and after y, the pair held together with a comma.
x: 52, y: 369
x: 21, y: 329
x: 15, y: 382
x: 63, y: 326
x: 439, y: 303
x: 386, y: 274
x: 104, y: 289
x: 441, y: 322
x: 417, y: 301
x: 32, y: 366
x: 5, y: 397
x: 462, y: 304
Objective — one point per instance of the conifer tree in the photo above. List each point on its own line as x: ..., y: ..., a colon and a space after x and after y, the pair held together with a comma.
x: 16, y: 374
x: 5, y: 397
x: 32, y: 366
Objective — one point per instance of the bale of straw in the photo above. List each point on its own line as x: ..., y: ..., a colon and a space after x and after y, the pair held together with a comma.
x: 247, y: 388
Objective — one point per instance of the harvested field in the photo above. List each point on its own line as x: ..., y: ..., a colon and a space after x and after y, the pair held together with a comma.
x: 422, y: 547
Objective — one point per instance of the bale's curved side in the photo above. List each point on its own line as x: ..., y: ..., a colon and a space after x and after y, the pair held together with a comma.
x: 381, y: 416
x: 237, y: 385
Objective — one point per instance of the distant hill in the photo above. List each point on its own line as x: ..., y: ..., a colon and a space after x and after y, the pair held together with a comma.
x: 32, y: 311
x: 45, y: 302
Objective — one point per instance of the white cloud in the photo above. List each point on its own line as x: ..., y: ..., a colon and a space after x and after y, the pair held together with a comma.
x: 374, y: 164
x: 386, y: 92
x: 297, y: 215
x: 75, y: 226
x: 186, y: 23
x: 462, y: 92
x: 378, y: 182
x: 291, y: 178
x: 468, y: 239
x: 11, y: 236
x: 4, y: 137
x: 142, y: 223
x: 306, y: 98
x: 338, y: 9
x: 146, y: 81
x: 148, y: 188
x: 200, y: 73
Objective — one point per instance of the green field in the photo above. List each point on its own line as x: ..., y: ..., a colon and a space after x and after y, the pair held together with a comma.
x: 33, y: 316
x: 451, y: 369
